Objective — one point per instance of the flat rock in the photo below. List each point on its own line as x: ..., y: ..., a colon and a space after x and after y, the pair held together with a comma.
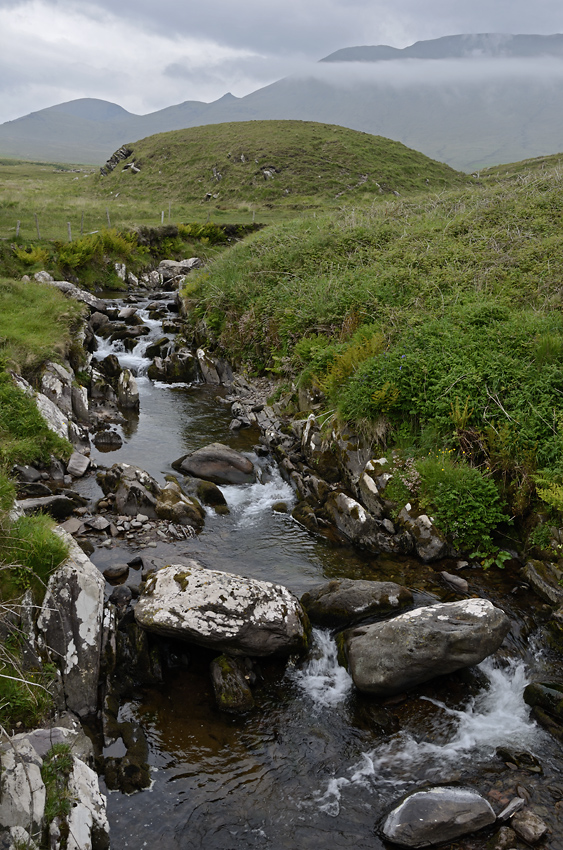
x: 77, y: 465
x: 345, y: 601
x: 436, y: 816
x: 529, y: 826
x: 390, y: 657
x: 58, y: 507
x: 217, y: 463
x: 237, y: 615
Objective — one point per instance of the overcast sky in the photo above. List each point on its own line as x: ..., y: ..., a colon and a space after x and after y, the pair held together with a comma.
x: 148, y: 54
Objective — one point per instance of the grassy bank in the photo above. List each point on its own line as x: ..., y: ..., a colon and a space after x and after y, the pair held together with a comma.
x: 432, y: 324
x: 37, y: 324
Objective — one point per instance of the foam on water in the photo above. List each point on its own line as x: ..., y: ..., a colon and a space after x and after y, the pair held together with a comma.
x: 497, y: 716
x: 322, y: 678
x: 248, y: 501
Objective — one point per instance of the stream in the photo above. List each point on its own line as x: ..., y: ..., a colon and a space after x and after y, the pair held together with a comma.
x: 316, y: 764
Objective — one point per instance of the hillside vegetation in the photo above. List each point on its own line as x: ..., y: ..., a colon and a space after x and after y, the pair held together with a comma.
x: 293, y: 164
x: 433, y: 324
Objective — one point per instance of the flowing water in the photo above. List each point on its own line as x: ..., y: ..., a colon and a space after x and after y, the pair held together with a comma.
x: 316, y: 764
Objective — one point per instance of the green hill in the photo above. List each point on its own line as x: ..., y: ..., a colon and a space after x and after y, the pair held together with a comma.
x: 289, y: 163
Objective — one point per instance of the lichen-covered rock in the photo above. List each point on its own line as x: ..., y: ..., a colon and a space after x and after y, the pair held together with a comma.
x: 430, y: 544
x: 387, y: 658
x: 70, y: 622
x: 436, y: 816
x: 237, y: 615
x: 217, y: 463
x: 358, y: 525
x: 22, y: 792
x: 230, y: 679
x: 88, y: 827
x: 345, y: 601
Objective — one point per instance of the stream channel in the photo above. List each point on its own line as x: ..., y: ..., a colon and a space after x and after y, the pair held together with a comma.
x: 316, y: 764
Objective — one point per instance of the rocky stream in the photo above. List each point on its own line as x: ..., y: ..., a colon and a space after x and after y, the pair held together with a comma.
x: 259, y: 654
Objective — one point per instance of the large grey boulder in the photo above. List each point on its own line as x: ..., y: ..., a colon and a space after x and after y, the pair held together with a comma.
x: 345, y: 601
x: 56, y: 384
x: 127, y: 391
x: 236, y: 615
x: 217, y: 463
x: 22, y: 792
x: 387, y: 658
x: 70, y: 622
x: 172, y: 504
x: 437, y: 815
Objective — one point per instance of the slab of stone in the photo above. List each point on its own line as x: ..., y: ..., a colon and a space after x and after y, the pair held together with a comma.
x: 236, y: 615
x: 217, y: 463
x: 77, y: 465
x: 98, y: 523
x: 22, y: 792
x: 390, y: 657
x: 436, y: 816
x: 58, y: 507
x: 70, y: 622
x: 345, y: 601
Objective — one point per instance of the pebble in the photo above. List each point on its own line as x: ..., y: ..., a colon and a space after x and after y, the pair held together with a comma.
x: 142, y: 518
x: 151, y: 545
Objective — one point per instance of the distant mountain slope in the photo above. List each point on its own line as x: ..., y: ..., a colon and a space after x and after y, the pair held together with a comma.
x: 287, y: 163
x: 482, y: 100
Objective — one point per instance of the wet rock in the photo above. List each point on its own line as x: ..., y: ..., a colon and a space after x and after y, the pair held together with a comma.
x: 56, y: 384
x: 209, y: 494
x: 224, y: 611
x: 72, y: 291
x: 70, y: 622
x: 545, y: 578
x: 179, y: 367
x: 107, y: 440
x: 457, y: 582
x: 304, y: 514
x: 514, y: 806
x: 97, y: 523
x: 22, y: 797
x: 505, y: 839
x: 430, y: 544
x: 59, y: 507
x: 345, y: 601
x: 88, y: 825
x: 363, y: 529
x: 529, y: 827
x: 110, y: 367
x: 26, y: 473
x: 390, y: 657
x: 522, y: 760
x: 79, y: 396
x: 546, y: 695
x: 175, y: 506
x: 208, y: 367
x: 116, y: 572
x: 436, y: 816
x: 37, y: 490
x: 230, y: 678
x: 158, y: 348
x: 121, y: 597
x: 135, y: 490
x: 128, y: 391
x: 217, y: 463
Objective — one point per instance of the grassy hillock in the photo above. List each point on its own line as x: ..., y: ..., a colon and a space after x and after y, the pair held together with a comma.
x: 434, y: 324
x: 292, y: 164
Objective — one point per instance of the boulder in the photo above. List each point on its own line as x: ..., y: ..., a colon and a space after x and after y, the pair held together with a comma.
x: 22, y: 792
x: 228, y: 612
x: 135, y: 490
x: 436, y: 816
x: 387, y: 658
x: 59, y: 507
x: 77, y: 465
x: 545, y: 578
x: 128, y: 391
x: 107, y: 440
x: 88, y: 827
x: 345, y: 601
x: 217, y: 463
x: 70, y: 622
x: 209, y: 494
x: 529, y: 826
x: 179, y: 367
x: 208, y: 367
x: 230, y: 679
x: 79, y: 396
x: 362, y: 528
x: 172, y: 504
x: 56, y: 384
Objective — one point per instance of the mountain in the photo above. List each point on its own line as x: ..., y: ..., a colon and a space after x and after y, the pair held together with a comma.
x: 467, y: 100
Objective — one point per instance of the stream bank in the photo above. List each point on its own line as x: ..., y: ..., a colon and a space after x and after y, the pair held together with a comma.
x: 314, y: 749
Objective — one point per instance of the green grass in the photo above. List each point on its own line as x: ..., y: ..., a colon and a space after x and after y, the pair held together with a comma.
x: 461, y: 297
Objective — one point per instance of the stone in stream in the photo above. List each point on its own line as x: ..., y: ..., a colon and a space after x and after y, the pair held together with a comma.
x: 107, y: 440
x: 217, y: 463
x: 127, y: 391
x: 77, y: 465
x: 236, y: 615
x: 209, y: 494
x: 435, y: 816
x: 390, y: 657
x: 230, y: 679
x: 175, y: 506
x: 59, y: 507
x: 345, y: 601
x: 529, y: 827
x: 135, y: 490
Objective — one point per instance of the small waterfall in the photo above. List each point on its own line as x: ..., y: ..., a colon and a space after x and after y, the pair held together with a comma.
x: 248, y: 502
x: 497, y: 716
x: 136, y: 360
x: 323, y: 679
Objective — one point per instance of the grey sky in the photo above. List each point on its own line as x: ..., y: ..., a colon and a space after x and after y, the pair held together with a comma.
x: 148, y: 54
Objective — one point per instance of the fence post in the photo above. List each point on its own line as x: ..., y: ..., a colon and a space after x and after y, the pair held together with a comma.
x: 18, y: 229
x: 107, y: 213
x: 162, y: 217
x: 69, y: 231
x: 169, y: 211
x: 82, y: 224
x: 37, y: 225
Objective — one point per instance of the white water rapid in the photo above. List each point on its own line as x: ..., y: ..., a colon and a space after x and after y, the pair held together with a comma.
x: 322, y: 678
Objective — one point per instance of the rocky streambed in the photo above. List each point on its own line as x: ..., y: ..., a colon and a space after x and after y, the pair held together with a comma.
x: 272, y: 660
